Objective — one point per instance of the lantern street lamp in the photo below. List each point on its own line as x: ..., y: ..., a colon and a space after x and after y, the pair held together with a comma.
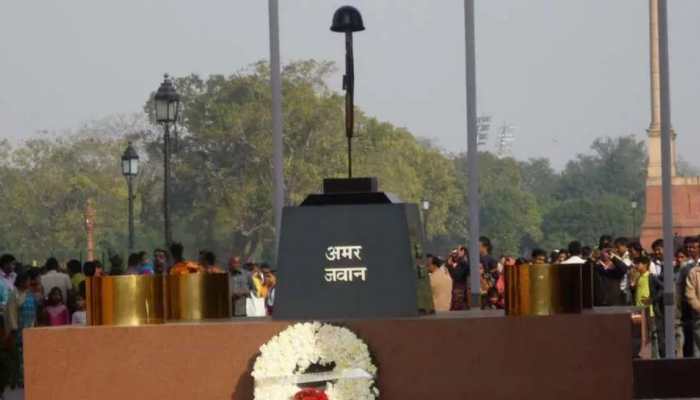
x: 130, y: 168
x: 167, y: 110
x: 348, y: 20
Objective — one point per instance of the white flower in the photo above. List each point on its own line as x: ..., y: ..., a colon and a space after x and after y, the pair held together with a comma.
x: 288, y: 354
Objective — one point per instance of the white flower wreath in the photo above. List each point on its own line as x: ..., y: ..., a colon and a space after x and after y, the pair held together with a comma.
x: 283, y: 360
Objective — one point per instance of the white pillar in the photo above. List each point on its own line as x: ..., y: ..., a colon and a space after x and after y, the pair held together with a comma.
x: 654, y: 131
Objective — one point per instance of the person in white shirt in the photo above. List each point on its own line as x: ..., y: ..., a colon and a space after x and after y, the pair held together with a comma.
x: 54, y: 278
x: 7, y: 283
x: 575, y: 251
x: 657, y: 257
x: 7, y: 269
x: 621, y: 255
x: 79, y: 316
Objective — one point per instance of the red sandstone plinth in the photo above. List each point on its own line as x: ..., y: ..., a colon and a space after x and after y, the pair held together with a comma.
x: 468, y: 355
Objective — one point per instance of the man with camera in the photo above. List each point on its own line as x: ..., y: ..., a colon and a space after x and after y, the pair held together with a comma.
x: 610, y: 271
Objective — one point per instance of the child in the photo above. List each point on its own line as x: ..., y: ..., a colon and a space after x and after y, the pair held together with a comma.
x: 22, y: 307
x: 641, y: 283
x: 79, y: 316
x: 493, y: 300
x: 56, y: 311
x: 642, y: 299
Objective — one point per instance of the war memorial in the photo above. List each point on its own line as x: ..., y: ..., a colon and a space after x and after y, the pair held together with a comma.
x: 352, y: 321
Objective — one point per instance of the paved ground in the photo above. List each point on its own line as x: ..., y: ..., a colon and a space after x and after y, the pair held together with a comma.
x: 14, y: 394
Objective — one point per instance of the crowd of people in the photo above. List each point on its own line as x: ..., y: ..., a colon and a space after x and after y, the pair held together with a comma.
x: 623, y: 274
x: 54, y: 294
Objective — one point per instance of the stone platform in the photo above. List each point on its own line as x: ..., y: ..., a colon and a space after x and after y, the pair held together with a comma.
x: 458, y: 355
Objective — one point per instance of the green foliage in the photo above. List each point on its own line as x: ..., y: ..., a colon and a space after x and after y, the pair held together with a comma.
x: 45, y: 187
x: 527, y: 204
x: 585, y: 219
x: 222, y: 178
x: 539, y: 178
x: 617, y: 166
x: 509, y: 215
x: 222, y: 181
x: 594, y: 193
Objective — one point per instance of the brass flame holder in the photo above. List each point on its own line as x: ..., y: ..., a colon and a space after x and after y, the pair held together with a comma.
x: 544, y: 289
x: 133, y: 300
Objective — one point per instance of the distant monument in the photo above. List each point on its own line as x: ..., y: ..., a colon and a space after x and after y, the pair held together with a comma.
x: 686, y: 190
x: 352, y: 251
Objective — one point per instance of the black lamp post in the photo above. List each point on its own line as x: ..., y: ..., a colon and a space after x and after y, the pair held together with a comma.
x: 130, y: 168
x: 425, y: 206
x: 348, y: 19
x: 633, y: 205
x: 167, y: 109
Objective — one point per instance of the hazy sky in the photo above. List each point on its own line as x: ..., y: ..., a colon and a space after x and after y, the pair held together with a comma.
x: 561, y: 72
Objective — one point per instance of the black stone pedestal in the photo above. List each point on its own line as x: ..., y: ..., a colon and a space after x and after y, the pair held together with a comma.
x: 340, y: 260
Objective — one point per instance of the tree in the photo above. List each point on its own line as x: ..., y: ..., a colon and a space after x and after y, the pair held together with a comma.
x: 46, y: 184
x: 509, y: 216
x: 222, y: 175
x: 585, y: 219
x: 617, y: 166
x: 540, y: 179
x: 595, y: 190
x: 222, y: 181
